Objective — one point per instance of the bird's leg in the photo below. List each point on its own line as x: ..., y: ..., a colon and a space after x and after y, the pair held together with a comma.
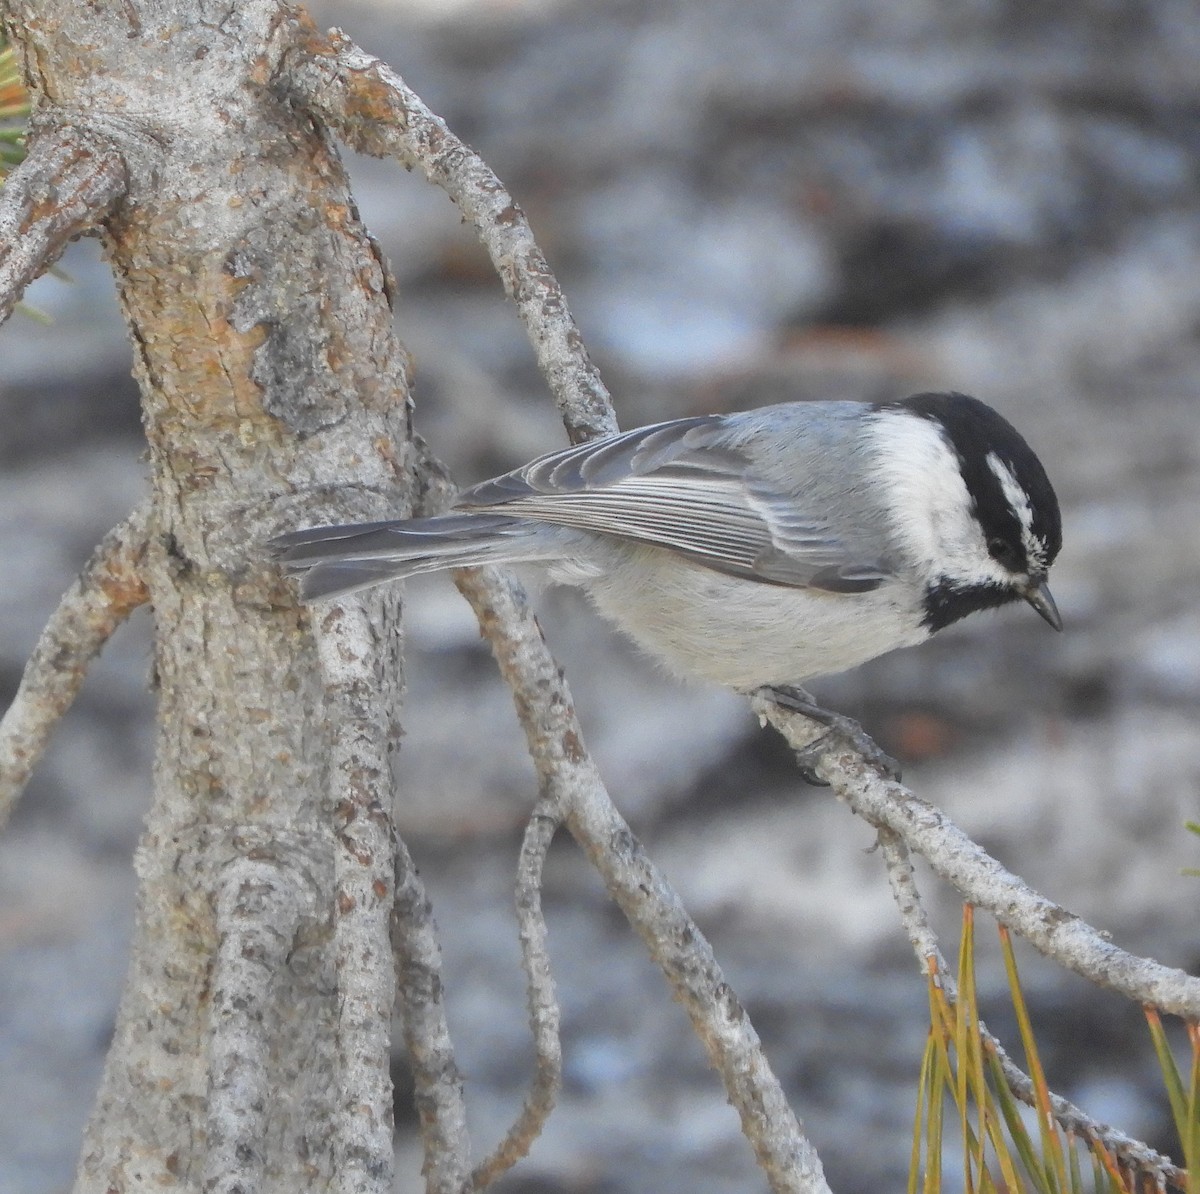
x: 796, y: 700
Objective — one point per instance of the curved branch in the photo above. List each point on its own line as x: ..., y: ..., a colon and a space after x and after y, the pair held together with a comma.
x: 437, y: 1081
x: 544, y: 1015
x: 1069, y: 1117
x: 978, y: 877
x: 258, y: 908
x: 67, y: 183
x: 364, y: 865
x: 103, y: 595
x: 376, y: 113
x: 372, y: 108
x: 568, y: 776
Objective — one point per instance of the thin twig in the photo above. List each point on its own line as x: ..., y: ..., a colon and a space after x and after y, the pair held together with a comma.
x: 358, y: 694
x: 1069, y: 1117
x: 978, y: 877
x: 903, y: 881
x: 68, y: 182
x: 258, y: 908
x: 385, y: 937
x: 372, y: 108
x: 437, y: 1082
x: 104, y: 594
x: 544, y: 1015
x: 568, y: 775
x: 925, y: 945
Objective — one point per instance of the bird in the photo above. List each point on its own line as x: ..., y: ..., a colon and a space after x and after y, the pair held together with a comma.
x: 756, y: 550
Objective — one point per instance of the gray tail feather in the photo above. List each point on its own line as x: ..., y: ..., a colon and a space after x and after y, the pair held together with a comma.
x: 333, y: 561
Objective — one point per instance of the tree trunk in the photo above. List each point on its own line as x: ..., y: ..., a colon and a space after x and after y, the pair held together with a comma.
x: 272, y: 384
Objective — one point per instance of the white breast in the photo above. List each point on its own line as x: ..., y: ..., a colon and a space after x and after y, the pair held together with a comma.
x: 743, y: 634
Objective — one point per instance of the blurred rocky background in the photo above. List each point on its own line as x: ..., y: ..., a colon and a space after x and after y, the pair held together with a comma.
x: 746, y: 203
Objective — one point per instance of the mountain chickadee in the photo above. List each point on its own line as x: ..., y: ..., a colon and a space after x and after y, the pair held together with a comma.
x: 755, y: 549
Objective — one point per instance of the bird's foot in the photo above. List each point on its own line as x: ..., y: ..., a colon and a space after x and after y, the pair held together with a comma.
x: 796, y: 700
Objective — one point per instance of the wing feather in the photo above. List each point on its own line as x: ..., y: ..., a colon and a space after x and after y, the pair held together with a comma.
x: 690, y: 486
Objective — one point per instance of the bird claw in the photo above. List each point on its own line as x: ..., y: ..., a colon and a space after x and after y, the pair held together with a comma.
x: 806, y: 764
x: 838, y: 726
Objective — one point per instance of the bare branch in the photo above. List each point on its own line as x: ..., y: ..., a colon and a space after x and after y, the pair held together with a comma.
x: 436, y: 1077
x: 258, y: 908
x: 364, y: 881
x: 925, y: 944
x: 105, y: 593
x: 381, y: 906
x: 569, y: 777
x: 978, y: 877
x: 544, y: 1016
x: 372, y: 108
x: 67, y: 183
x: 376, y: 113
x: 903, y: 882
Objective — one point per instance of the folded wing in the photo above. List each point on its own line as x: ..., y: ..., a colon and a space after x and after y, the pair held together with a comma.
x: 692, y: 487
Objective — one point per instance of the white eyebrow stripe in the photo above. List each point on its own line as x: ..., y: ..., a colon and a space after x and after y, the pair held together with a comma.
x: 1014, y: 494
x: 1022, y: 507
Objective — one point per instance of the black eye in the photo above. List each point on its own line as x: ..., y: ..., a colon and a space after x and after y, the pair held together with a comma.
x: 1004, y: 553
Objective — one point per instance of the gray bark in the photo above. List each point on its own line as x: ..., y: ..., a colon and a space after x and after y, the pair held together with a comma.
x: 278, y: 914
x: 272, y: 383
x: 869, y: 792
x: 252, y: 1042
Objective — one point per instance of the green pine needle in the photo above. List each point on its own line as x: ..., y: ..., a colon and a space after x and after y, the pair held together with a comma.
x: 961, y: 1070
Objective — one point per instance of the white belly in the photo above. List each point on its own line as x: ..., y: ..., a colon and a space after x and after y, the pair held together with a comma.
x: 743, y: 634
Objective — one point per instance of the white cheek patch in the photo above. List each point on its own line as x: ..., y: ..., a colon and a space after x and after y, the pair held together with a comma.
x: 1018, y: 499
x: 927, y: 500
